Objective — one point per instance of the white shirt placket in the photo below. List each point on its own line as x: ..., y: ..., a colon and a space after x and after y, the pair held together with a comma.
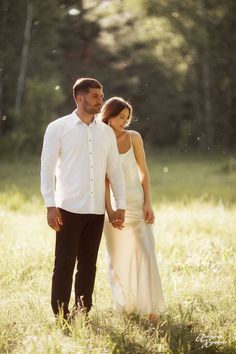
x: 91, y: 170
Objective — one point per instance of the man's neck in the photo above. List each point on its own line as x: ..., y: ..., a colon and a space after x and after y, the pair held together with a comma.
x: 85, y: 117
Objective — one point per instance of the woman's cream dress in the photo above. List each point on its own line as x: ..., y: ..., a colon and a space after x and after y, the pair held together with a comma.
x: 133, y: 271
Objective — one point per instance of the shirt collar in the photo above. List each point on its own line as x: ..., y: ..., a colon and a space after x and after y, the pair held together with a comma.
x: 76, y: 119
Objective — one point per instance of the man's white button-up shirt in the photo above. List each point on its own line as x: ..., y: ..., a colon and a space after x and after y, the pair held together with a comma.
x: 75, y: 160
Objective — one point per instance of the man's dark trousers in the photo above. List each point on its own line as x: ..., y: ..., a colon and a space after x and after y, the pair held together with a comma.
x: 78, y: 240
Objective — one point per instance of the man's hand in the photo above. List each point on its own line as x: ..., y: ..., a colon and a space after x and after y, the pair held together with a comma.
x: 119, y: 219
x: 54, y: 218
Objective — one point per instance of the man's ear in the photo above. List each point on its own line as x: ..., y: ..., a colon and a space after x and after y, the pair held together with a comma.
x: 78, y: 98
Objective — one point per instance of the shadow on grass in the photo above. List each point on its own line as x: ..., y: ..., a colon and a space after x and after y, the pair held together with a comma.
x: 122, y: 344
x: 182, y: 338
x: 171, y: 336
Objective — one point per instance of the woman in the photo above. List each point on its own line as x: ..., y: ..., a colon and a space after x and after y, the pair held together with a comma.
x: 133, y: 271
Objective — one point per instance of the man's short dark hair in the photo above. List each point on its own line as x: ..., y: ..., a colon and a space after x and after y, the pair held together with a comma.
x: 84, y: 84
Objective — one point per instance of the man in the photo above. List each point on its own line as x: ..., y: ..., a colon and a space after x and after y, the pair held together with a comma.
x: 78, y: 152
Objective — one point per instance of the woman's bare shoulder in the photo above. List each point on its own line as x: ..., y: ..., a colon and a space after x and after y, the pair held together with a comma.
x: 136, y: 137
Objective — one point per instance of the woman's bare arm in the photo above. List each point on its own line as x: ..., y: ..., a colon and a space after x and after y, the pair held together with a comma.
x: 140, y: 156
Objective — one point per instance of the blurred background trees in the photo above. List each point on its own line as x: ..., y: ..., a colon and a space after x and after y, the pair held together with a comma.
x: 174, y: 60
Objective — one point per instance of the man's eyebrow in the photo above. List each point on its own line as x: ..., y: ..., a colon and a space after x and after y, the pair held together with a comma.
x: 97, y: 94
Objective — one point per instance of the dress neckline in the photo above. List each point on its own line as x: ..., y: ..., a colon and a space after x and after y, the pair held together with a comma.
x: 124, y: 153
x: 131, y: 145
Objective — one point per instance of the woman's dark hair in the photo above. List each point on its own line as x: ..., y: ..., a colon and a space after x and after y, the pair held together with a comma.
x: 113, y: 107
x: 84, y: 84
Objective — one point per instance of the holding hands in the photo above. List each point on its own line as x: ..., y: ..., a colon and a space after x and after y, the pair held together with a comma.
x: 117, y: 218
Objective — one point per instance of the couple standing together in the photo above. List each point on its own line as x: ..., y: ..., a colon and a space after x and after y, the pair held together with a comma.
x: 90, y: 163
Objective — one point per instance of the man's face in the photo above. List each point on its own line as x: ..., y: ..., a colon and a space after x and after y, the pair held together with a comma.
x: 92, y: 101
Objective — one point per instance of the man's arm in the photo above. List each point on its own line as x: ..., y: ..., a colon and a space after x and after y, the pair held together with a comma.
x: 116, y: 179
x: 49, y: 156
x: 109, y: 210
x: 116, y: 218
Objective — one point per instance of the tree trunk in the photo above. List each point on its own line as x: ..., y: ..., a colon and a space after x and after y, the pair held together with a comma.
x: 1, y: 110
x: 3, y: 20
x: 24, y: 59
x: 196, y: 104
x: 205, y: 64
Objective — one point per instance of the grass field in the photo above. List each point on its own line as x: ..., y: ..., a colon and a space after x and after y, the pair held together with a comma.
x: 195, y: 202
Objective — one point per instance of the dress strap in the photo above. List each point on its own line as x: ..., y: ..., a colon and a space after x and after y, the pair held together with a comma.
x: 130, y: 138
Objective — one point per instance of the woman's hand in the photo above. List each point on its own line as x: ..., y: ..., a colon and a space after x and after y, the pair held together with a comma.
x: 116, y: 218
x: 149, y: 215
x: 119, y: 219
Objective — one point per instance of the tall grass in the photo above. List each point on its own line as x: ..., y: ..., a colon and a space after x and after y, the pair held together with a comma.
x: 194, y: 198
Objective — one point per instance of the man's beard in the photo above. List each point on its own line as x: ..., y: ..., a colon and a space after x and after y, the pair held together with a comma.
x: 91, y: 110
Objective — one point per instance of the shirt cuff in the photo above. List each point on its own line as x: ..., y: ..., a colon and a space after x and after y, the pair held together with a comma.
x: 120, y: 204
x: 49, y: 202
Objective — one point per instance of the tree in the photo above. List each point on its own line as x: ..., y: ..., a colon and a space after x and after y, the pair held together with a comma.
x: 207, y: 27
x: 32, y: 29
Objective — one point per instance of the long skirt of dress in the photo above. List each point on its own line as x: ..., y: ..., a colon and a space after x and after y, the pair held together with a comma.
x: 133, y: 270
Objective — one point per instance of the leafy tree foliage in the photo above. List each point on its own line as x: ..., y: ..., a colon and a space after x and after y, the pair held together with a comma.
x: 173, y: 60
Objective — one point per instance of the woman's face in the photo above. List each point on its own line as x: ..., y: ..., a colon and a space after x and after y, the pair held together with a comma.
x: 119, y: 122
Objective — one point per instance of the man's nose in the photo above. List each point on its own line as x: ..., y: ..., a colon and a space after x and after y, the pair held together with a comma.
x: 100, y: 100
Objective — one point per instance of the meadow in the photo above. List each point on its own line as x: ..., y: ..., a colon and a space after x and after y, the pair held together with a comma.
x: 194, y: 197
